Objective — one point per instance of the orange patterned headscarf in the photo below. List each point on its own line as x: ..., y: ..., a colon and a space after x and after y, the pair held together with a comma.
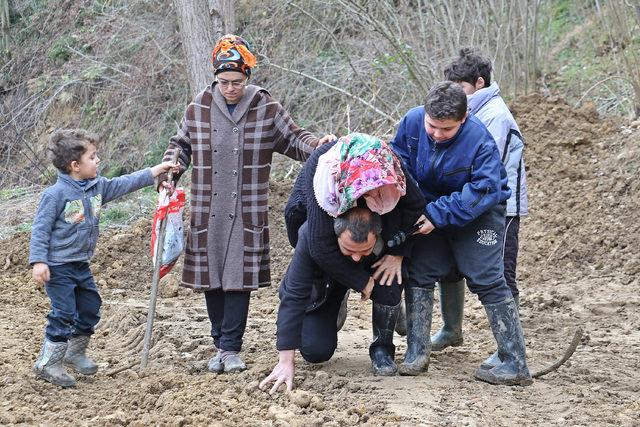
x: 232, y: 54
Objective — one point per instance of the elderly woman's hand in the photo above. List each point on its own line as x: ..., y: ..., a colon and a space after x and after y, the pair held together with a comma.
x: 326, y: 139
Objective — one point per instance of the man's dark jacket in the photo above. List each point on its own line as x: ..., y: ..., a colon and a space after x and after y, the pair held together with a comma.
x: 303, y: 207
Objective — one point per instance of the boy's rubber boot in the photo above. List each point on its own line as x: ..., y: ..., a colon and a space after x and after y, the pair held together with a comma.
x: 401, y: 323
x: 505, y: 324
x: 233, y: 363
x: 49, y: 365
x: 494, y: 359
x: 452, y: 309
x: 342, y: 313
x: 76, y: 357
x: 382, y: 351
x: 215, y: 364
x: 419, y: 303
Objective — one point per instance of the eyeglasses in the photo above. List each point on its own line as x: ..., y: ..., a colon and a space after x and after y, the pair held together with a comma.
x: 236, y: 84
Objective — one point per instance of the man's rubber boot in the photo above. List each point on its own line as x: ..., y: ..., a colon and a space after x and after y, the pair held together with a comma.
x: 49, y: 365
x: 452, y: 309
x: 76, y: 357
x: 494, y: 359
x: 382, y: 351
x: 342, y: 313
x: 419, y: 303
x: 505, y: 324
x: 401, y: 323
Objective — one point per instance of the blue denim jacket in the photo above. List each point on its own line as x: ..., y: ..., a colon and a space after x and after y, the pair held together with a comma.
x: 65, y: 228
x: 460, y: 178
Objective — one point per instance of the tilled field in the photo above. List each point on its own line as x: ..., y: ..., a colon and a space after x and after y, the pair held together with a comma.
x: 579, y: 267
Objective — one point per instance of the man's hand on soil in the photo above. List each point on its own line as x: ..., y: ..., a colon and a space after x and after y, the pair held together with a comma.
x: 40, y: 273
x: 388, y: 267
x: 282, y: 373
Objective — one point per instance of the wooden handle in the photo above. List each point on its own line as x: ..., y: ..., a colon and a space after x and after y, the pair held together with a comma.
x: 174, y: 159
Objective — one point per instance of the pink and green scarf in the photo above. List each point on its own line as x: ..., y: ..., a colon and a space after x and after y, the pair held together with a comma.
x: 358, y: 165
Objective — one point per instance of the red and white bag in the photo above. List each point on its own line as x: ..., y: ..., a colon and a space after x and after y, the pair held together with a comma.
x: 172, y: 208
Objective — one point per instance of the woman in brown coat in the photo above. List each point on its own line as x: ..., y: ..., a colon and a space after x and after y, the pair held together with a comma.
x: 228, y: 134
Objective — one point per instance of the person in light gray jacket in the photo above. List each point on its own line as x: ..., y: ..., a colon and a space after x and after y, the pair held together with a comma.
x: 473, y: 72
x: 63, y: 240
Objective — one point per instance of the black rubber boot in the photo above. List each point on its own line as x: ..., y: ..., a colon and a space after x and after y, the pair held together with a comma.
x: 494, y: 359
x: 452, y: 309
x: 342, y: 313
x: 401, y: 323
x: 505, y: 324
x: 382, y: 351
x: 419, y: 303
x: 49, y: 365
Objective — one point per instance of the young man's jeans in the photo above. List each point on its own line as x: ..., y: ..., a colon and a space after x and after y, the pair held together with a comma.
x: 228, y: 313
x: 476, y: 251
x: 75, y: 302
x: 509, y: 255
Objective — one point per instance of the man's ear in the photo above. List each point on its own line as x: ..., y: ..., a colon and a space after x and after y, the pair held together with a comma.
x: 74, y: 166
x: 466, y: 114
x: 480, y: 83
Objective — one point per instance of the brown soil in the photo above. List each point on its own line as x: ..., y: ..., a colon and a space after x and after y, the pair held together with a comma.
x: 578, y: 268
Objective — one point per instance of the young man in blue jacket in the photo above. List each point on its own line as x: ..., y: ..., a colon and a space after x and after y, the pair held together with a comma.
x: 473, y: 72
x: 456, y: 163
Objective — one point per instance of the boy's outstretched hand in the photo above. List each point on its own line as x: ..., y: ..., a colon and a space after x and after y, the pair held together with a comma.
x: 40, y: 273
x: 164, y: 168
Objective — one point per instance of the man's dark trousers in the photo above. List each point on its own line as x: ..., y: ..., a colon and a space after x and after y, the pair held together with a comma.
x: 319, y: 328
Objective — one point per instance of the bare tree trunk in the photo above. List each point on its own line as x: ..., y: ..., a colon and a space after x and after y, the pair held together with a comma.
x: 4, y: 26
x: 202, y: 22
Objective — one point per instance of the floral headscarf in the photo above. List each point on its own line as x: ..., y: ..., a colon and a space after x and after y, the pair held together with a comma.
x: 358, y: 165
x: 232, y: 53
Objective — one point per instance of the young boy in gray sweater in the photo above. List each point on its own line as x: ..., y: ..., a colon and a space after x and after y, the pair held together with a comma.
x: 63, y: 239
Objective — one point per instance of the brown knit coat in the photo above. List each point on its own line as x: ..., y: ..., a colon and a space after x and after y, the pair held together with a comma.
x: 228, y: 243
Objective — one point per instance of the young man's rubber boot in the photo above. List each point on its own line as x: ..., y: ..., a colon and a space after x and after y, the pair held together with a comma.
x: 494, y: 359
x: 342, y: 313
x: 419, y: 303
x: 382, y: 351
x: 505, y: 324
x: 401, y: 323
x: 452, y: 309
x: 76, y: 355
x: 49, y: 365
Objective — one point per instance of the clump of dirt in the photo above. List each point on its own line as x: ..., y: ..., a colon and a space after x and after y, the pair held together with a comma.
x: 578, y: 268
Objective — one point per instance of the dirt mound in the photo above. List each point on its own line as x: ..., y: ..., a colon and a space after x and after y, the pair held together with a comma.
x: 577, y: 268
x: 582, y: 181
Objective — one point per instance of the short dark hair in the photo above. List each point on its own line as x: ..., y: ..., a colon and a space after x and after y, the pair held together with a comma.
x: 360, y: 221
x: 469, y: 66
x: 446, y: 100
x: 68, y: 145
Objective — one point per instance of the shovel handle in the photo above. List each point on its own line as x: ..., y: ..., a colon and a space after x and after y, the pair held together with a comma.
x: 156, y: 276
